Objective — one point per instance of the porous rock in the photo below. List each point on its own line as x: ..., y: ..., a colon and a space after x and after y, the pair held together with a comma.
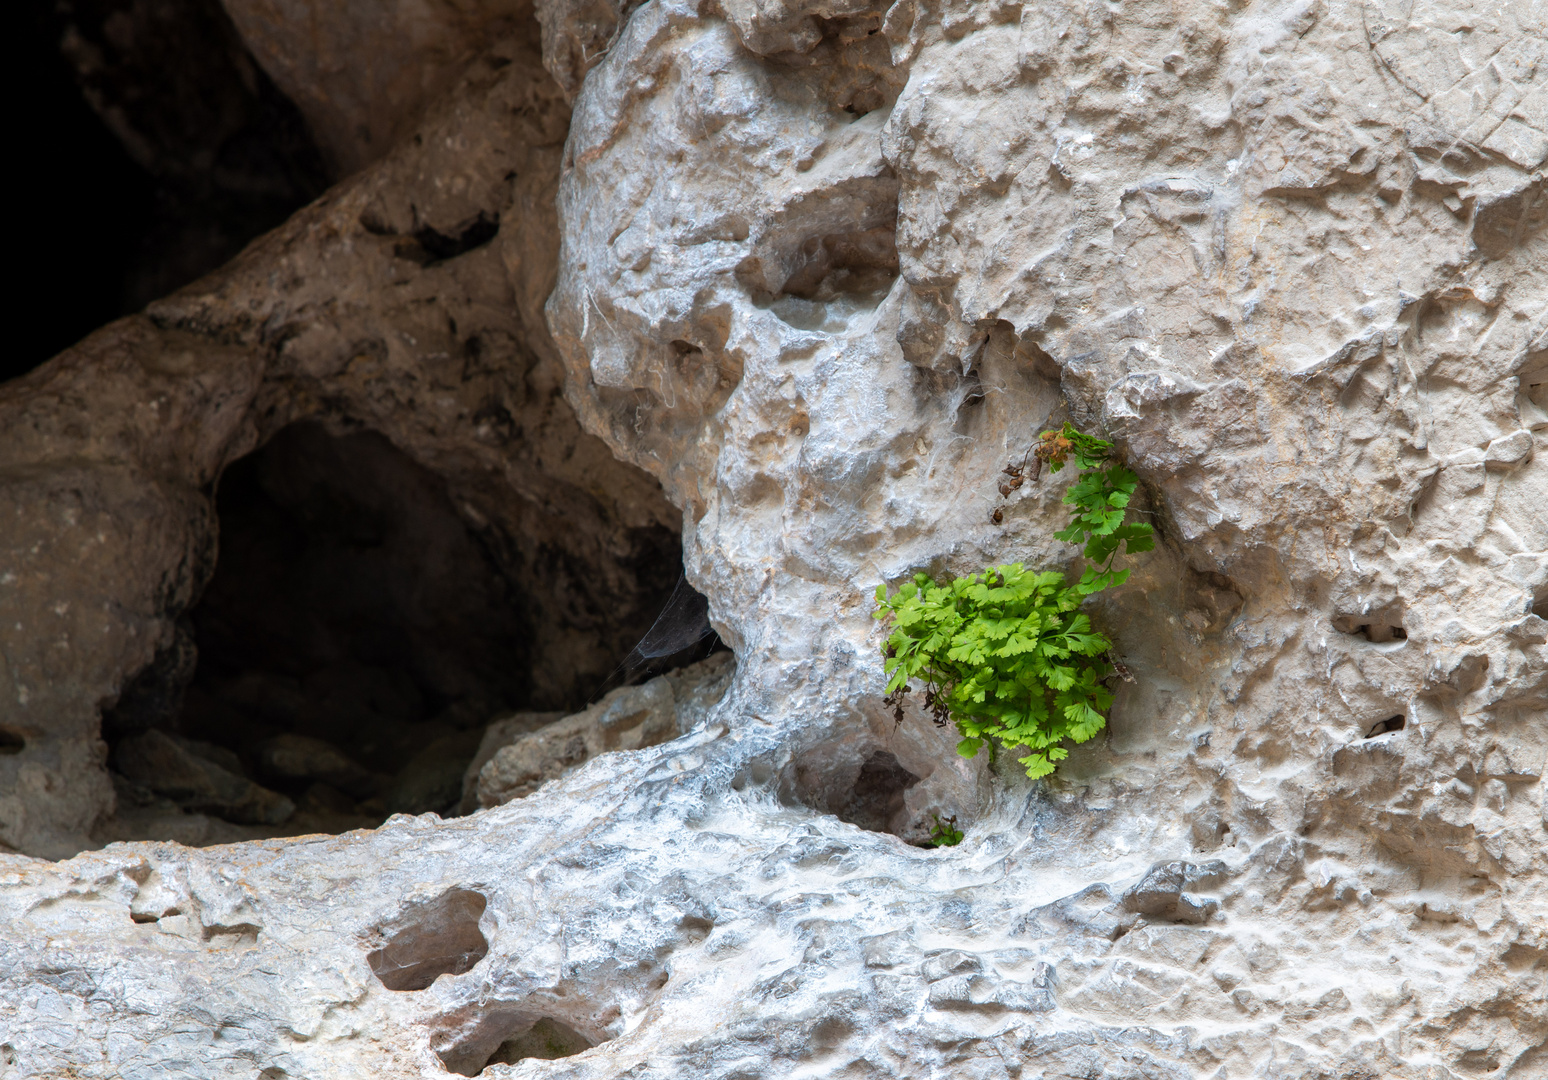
x: 824, y: 283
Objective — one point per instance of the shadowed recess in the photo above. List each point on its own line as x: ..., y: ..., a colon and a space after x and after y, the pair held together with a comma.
x: 162, y: 148
x: 1380, y: 627
x: 546, y: 1040
x: 356, y: 638
x: 506, y: 1034
x: 877, y: 796
x: 867, y: 791
x: 1383, y: 727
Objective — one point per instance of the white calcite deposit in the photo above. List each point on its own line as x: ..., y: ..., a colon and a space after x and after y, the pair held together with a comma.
x: 824, y: 268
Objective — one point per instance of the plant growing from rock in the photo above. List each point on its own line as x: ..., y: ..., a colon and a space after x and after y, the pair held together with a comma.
x: 945, y: 832
x: 1007, y: 654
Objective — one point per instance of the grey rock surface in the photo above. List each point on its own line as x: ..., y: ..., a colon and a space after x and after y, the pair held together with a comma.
x: 497, y: 734
x: 628, y: 718
x: 824, y: 269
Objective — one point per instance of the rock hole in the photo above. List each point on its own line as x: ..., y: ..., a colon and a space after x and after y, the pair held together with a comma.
x: 695, y: 928
x: 754, y: 775
x: 1392, y: 723
x: 888, y: 777
x: 877, y: 796
x: 235, y: 936
x: 428, y: 246
x: 1381, y: 627
x: 430, y: 939
x: 11, y: 741
x: 867, y: 791
x: 359, y: 634
x: 828, y: 279
x: 546, y: 1040
x: 505, y: 1035
x: 837, y: 264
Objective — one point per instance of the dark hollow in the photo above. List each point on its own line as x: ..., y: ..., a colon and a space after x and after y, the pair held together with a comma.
x: 504, y: 1034
x: 11, y: 742
x: 1381, y: 627
x: 354, y: 640
x: 1392, y: 723
x: 476, y: 234
x: 877, y: 796
x: 218, y: 157
x: 546, y: 1040
x: 344, y: 566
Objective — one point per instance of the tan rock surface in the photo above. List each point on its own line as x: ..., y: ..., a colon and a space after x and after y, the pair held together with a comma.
x: 344, y: 316
x: 363, y: 75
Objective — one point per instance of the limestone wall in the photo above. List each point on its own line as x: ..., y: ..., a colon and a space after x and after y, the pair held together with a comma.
x: 824, y: 267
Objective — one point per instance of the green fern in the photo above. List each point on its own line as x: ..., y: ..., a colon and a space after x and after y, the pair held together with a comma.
x: 1006, y: 653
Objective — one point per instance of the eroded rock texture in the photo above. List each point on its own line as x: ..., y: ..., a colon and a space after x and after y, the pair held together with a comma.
x: 824, y: 269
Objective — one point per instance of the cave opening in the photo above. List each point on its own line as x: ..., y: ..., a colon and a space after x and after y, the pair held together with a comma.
x: 356, y: 640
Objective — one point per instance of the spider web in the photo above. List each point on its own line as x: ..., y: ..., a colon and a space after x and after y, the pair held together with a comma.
x: 682, y: 627
x: 682, y: 624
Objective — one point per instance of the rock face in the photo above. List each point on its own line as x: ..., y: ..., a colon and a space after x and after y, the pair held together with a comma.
x: 824, y: 269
